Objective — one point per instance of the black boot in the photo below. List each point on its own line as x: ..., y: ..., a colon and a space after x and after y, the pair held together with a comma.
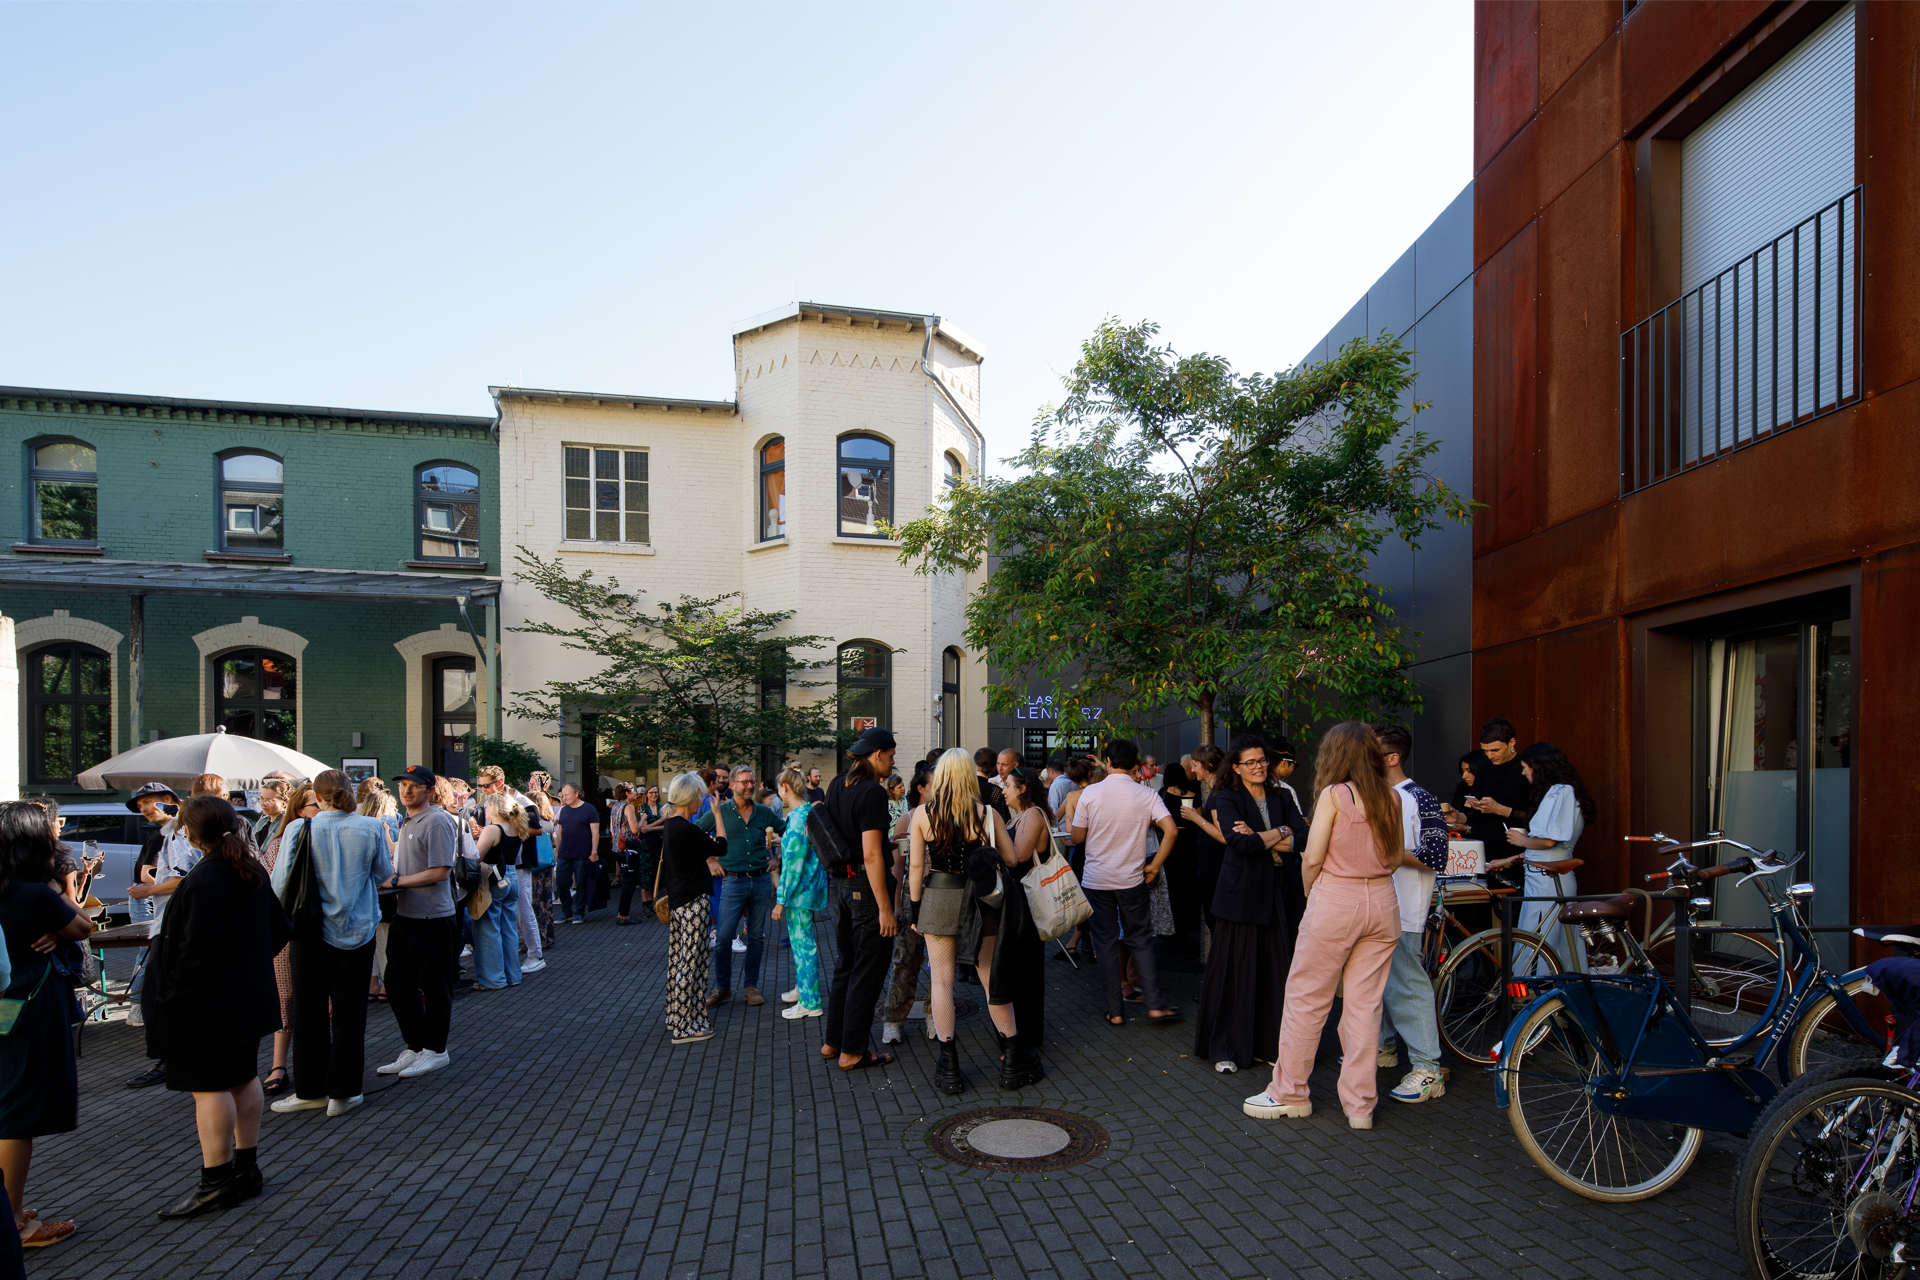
x: 1021, y: 1068
x: 246, y: 1172
x: 1001, y: 1041
x: 217, y: 1188
x: 946, y: 1070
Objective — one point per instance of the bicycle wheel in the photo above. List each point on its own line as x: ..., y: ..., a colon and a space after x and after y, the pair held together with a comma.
x: 1467, y: 992
x: 1733, y: 981
x: 1824, y: 1035
x: 1821, y: 1188
x: 1613, y: 1159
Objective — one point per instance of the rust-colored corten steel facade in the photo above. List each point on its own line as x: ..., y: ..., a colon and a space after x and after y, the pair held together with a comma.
x: 1590, y: 597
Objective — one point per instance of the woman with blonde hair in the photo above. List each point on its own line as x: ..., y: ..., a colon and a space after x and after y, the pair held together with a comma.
x: 295, y: 800
x: 799, y: 892
x: 1350, y: 929
x: 685, y: 880
x: 540, y: 874
x: 496, y: 934
x: 943, y: 834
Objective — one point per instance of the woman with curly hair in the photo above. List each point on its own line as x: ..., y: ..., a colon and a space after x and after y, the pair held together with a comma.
x: 1561, y: 808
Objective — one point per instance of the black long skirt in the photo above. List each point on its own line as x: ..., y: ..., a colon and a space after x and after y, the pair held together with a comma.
x: 1242, y: 993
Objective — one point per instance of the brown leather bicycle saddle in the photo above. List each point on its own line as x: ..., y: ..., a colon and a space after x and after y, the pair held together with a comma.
x: 1612, y: 909
x: 1559, y: 868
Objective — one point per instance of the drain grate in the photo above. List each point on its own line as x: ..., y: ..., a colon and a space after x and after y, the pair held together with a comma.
x: 1018, y: 1139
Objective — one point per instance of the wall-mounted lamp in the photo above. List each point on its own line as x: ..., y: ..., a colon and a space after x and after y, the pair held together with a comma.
x: 359, y: 739
x: 153, y: 735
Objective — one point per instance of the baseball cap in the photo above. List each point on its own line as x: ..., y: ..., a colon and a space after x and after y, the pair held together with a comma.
x: 417, y: 773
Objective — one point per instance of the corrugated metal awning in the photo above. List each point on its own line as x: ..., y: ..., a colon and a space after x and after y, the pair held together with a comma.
x: 147, y: 577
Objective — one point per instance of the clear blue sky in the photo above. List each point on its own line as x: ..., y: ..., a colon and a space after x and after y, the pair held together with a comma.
x: 392, y: 206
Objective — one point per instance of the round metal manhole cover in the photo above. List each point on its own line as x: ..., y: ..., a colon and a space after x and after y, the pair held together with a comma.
x: 1018, y: 1139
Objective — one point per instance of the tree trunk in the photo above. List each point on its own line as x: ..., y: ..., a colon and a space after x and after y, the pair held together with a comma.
x: 1206, y: 719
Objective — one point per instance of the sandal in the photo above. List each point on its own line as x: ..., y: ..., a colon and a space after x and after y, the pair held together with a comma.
x: 869, y: 1060
x: 828, y: 1051
x: 1163, y: 1015
x: 1117, y: 1020
x: 35, y: 1234
x: 274, y: 1088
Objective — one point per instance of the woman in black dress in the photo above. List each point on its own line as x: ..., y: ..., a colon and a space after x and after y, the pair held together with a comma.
x: 39, y: 1088
x: 688, y: 857
x: 210, y: 997
x: 1256, y: 910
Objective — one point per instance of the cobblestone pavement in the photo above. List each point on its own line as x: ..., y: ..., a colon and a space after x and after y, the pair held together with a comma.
x: 570, y: 1139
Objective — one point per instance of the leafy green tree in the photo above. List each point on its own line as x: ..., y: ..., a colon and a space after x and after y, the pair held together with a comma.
x: 1181, y: 533
x: 693, y: 680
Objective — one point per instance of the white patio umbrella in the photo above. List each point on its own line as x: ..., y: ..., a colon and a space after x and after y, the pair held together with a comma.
x: 243, y: 762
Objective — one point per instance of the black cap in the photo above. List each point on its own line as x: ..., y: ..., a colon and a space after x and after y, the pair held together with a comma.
x: 417, y: 773
x: 151, y: 789
x: 874, y: 739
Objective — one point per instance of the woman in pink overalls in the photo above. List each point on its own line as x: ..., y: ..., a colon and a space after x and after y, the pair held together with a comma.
x: 1351, y: 927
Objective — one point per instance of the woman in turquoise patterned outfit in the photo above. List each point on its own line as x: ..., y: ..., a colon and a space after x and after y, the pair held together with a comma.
x: 800, y: 891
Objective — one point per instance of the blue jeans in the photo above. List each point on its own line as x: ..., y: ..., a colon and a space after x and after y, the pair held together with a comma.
x: 1407, y: 1007
x: 753, y: 898
x: 496, y: 945
x: 138, y: 911
x: 573, y: 882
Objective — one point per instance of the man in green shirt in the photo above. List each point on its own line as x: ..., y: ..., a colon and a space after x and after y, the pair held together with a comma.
x: 752, y: 833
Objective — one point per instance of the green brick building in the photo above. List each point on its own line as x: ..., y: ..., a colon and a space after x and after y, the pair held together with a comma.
x: 287, y: 572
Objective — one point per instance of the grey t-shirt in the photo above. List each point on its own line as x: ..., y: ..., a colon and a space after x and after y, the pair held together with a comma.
x: 429, y: 838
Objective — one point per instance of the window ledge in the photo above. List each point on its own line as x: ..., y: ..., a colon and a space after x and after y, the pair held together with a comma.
x: 445, y: 566
x: 607, y: 548
x: 767, y: 544
x: 52, y: 549
x: 245, y: 557
x: 864, y: 542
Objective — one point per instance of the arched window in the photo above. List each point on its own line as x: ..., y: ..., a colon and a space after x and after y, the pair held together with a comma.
x: 69, y: 716
x: 866, y: 486
x: 66, y: 493
x: 865, y: 686
x: 773, y: 489
x: 950, y: 696
x: 955, y: 469
x: 253, y: 695
x: 253, y: 499
x: 455, y: 703
x: 447, y: 510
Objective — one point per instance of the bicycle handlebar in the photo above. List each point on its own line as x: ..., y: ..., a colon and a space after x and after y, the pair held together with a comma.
x: 1740, y: 865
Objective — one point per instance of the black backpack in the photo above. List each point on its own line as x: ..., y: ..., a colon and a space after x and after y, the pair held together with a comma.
x: 836, y: 853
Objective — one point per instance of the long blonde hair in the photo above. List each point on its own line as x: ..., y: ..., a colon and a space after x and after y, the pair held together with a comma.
x: 502, y: 809
x: 1350, y: 753
x: 379, y: 803
x: 952, y: 800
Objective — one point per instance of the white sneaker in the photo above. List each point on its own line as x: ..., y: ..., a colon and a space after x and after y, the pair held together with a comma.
x: 291, y: 1103
x: 793, y: 1013
x: 134, y: 1017
x: 890, y: 1034
x: 340, y: 1106
x: 465, y: 952
x: 1226, y: 1066
x: 1419, y: 1086
x: 739, y: 945
x: 1359, y: 1122
x: 1262, y: 1107
x: 399, y: 1064
x: 532, y: 966
x: 427, y: 1061
x: 1387, y: 1058
x: 790, y: 997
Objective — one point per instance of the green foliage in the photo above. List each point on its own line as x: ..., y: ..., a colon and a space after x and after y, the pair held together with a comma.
x: 1183, y: 533
x: 692, y: 680
x: 516, y: 758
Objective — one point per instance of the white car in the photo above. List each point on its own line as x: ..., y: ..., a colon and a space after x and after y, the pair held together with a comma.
x: 118, y: 835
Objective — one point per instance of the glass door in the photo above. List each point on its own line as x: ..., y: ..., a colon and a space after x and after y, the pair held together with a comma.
x: 455, y: 706
x: 1779, y: 711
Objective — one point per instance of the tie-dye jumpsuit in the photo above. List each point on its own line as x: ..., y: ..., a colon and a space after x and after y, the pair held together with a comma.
x: 801, y: 891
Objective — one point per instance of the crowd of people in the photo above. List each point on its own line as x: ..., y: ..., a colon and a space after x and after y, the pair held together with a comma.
x: 340, y: 896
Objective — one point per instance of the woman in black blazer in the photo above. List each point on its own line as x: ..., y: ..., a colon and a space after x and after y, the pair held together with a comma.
x: 1256, y: 906
x: 209, y: 999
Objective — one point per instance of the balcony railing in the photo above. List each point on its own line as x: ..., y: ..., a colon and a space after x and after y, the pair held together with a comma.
x: 1769, y: 343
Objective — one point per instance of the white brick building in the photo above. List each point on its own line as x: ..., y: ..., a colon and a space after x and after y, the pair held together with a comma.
x: 862, y: 410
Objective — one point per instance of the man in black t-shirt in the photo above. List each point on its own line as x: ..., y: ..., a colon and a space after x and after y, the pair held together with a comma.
x: 1500, y: 795
x: 862, y: 896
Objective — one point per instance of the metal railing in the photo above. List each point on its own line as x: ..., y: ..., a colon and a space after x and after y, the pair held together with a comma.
x: 1769, y: 343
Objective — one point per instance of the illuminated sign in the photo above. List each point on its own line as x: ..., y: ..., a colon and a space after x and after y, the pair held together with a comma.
x: 1040, y: 706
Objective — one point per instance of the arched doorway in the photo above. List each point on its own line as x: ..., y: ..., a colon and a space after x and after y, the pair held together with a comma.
x: 455, y: 713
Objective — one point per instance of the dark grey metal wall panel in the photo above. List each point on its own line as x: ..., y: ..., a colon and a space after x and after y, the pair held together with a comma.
x: 1393, y: 568
x: 1443, y: 357
x: 1351, y: 326
x: 1445, y: 724
x: 1444, y: 253
x: 1390, y: 301
x: 1443, y: 592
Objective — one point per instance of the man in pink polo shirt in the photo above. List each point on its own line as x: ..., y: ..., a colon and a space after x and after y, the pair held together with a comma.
x: 1113, y: 821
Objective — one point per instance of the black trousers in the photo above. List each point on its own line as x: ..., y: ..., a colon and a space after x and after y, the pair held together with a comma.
x: 861, y: 969
x: 1115, y: 910
x: 329, y: 1018
x: 422, y: 958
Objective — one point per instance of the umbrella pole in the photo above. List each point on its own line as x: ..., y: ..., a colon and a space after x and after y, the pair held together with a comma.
x: 136, y: 666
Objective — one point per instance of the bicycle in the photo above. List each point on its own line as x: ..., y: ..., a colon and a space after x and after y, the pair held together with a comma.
x: 1610, y: 1085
